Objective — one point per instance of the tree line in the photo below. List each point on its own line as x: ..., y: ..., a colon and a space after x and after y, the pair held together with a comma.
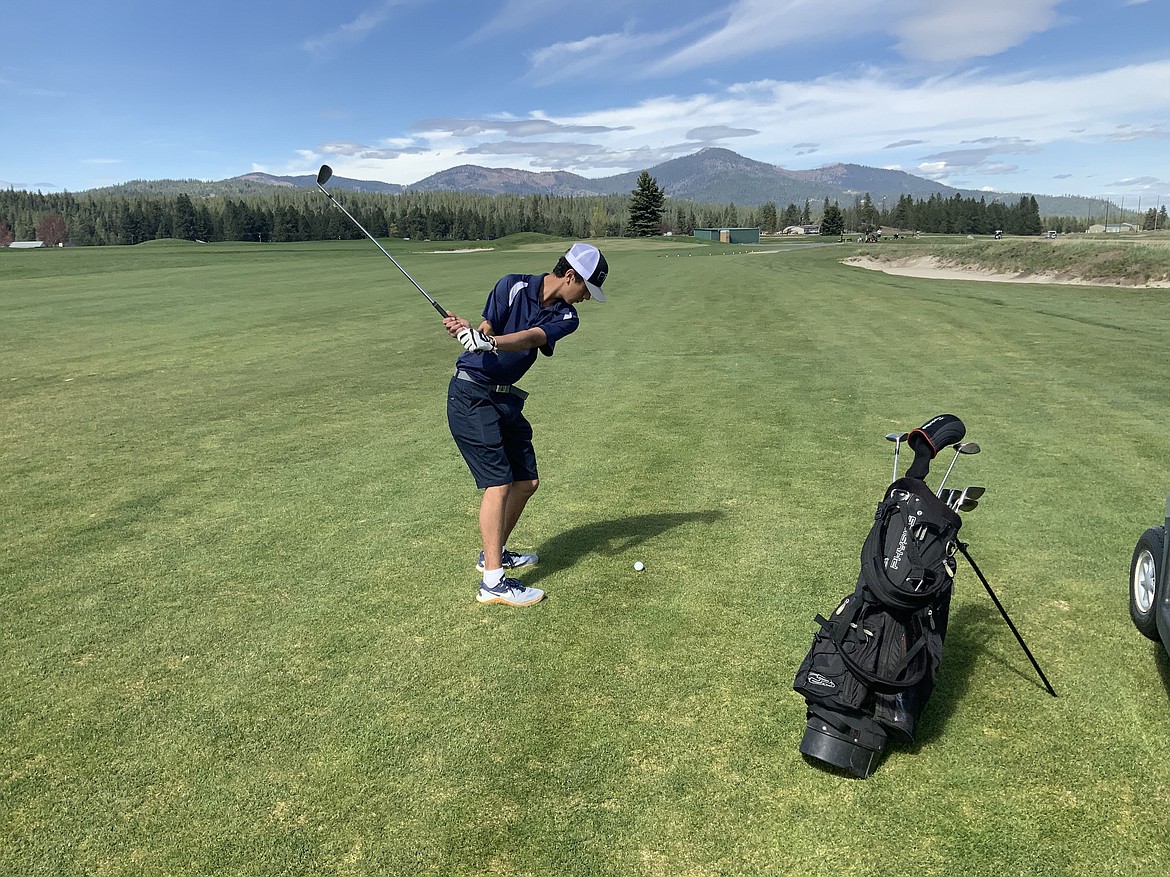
x: 97, y: 219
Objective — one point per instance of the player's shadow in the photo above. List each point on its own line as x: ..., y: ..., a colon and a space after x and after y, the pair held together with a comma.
x: 976, y: 631
x: 1162, y: 659
x: 615, y: 536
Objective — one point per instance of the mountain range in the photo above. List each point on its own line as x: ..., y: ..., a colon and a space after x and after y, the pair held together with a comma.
x: 709, y: 176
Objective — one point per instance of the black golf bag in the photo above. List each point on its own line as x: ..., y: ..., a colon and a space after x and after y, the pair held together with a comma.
x: 874, y: 661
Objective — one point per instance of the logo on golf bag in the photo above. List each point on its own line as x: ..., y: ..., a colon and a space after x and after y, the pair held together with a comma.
x: 901, y: 552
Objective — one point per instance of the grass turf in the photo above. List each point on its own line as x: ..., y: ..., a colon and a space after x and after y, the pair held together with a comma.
x: 239, y: 630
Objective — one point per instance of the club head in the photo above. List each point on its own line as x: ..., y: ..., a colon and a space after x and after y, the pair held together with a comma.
x: 968, y: 504
x: 946, y: 495
x: 974, y: 492
x: 967, y: 448
x: 896, y: 436
x: 324, y: 174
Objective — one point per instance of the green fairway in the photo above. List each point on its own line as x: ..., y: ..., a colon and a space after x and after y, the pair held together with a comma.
x: 239, y: 632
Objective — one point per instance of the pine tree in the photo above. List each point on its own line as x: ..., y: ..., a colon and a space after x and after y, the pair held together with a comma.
x: 768, y: 217
x: 647, y: 203
x: 832, y: 221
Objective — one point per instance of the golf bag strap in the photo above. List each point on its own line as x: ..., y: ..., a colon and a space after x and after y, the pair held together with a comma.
x: 895, y: 681
x: 852, y: 618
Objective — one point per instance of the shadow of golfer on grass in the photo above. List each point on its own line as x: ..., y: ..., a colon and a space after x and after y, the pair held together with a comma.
x: 968, y: 629
x: 975, y: 631
x: 1162, y: 659
x: 614, y: 536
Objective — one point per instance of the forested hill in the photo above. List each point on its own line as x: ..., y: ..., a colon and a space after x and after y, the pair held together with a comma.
x: 709, y: 176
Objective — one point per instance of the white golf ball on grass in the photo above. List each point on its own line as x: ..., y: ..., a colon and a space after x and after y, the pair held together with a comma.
x: 639, y: 566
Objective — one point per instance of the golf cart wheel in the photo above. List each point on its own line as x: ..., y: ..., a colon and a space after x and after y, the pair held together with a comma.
x: 1143, y: 581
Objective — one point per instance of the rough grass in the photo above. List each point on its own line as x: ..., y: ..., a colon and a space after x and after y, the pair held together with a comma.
x: 238, y: 627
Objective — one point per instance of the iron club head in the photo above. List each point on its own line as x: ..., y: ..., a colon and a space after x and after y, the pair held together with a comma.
x: 966, y: 499
x: 324, y: 174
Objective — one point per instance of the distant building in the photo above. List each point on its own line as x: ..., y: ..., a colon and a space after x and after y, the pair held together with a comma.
x: 729, y: 235
x: 26, y: 245
x: 802, y: 229
x: 1123, y: 228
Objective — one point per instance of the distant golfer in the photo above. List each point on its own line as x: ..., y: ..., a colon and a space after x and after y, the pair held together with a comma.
x: 524, y: 313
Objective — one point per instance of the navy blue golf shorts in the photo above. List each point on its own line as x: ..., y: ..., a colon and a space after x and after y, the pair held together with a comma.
x: 492, y: 434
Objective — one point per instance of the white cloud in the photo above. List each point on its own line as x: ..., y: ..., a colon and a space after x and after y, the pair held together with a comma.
x: 942, y: 126
x: 958, y: 31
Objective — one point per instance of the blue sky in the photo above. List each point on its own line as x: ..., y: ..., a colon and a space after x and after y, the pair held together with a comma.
x: 1041, y: 96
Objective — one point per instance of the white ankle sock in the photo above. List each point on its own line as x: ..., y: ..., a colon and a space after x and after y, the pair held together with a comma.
x: 492, y: 577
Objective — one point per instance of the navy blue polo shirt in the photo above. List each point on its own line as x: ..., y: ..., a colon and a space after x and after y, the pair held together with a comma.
x: 513, y: 306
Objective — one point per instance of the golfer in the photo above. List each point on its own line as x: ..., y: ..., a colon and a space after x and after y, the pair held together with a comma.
x: 485, y: 409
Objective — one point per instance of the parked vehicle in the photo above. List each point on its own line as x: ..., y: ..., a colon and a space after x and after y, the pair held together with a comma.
x: 1149, y: 588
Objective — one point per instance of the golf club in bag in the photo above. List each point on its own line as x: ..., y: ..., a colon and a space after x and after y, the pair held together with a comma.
x: 323, y: 176
x: 874, y: 661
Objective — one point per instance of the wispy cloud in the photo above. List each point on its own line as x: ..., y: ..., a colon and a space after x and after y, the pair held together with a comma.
x: 535, y: 127
x: 361, y: 151
x: 20, y: 88
x: 1127, y: 133
x: 1143, y: 182
x: 577, y: 156
x: 934, y: 31
x: 711, y: 133
x: 602, y: 53
x: 354, y: 31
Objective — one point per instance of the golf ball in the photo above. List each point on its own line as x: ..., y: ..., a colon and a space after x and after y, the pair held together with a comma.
x: 639, y: 566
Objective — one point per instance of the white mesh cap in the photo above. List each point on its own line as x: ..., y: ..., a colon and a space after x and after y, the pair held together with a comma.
x: 588, y: 262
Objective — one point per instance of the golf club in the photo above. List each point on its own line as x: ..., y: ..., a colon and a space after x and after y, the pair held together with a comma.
x: 323, y: 176
x: 960, y: 448
x: 965, y: 499
x: 897, y: 438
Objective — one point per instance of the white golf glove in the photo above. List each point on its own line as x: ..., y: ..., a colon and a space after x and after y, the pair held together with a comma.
x: 474, y: 341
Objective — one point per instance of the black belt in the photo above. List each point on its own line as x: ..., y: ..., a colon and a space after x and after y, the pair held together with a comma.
x: 494, y: 388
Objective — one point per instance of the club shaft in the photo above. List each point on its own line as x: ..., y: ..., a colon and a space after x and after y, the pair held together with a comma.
x: 949, y: 468
x: 385, y: 252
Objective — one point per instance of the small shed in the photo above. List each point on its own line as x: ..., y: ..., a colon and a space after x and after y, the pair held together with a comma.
x: 729, y: 235
x: 26, y: 245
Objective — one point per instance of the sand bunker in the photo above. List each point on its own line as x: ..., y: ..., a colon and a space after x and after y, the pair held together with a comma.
x: 931, y: 268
